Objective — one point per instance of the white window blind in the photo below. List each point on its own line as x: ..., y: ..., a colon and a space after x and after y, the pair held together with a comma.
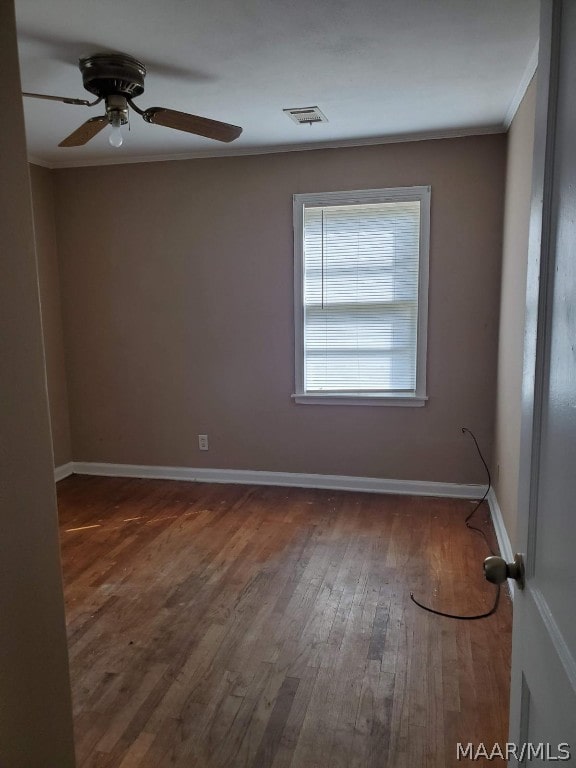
x: 361, y: 286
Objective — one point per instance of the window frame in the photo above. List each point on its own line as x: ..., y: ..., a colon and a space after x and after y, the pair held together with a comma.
x: 421, y: 194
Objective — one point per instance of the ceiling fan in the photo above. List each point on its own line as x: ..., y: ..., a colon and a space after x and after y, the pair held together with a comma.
x: 117, y: 79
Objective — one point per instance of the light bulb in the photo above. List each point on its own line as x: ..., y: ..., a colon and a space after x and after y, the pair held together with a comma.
x: 115, y: 139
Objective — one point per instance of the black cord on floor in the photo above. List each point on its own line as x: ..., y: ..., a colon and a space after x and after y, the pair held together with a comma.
x: 492, y: 610
x: 482, y: 533
x: 457, y: 616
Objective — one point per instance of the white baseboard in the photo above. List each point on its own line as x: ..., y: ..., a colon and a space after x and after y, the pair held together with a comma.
x: 64, y: 470
x: 501, y: 532
x: 298, y: 480
x: 504, y: 542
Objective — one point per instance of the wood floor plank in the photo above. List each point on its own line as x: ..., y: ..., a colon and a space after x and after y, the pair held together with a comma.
x: 215, y: 626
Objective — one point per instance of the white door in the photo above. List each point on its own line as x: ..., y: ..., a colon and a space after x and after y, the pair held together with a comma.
x: 543, y: 700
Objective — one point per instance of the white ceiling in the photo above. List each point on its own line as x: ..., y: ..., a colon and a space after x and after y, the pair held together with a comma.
x: 378, y: 69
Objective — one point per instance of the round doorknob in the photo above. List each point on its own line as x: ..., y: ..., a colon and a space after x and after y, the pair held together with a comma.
x: 497, y: 570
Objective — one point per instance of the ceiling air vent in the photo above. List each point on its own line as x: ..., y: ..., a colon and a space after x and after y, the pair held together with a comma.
x: 306, y: 115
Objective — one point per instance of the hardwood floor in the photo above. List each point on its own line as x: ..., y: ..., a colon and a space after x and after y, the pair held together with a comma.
x: 214, y: 625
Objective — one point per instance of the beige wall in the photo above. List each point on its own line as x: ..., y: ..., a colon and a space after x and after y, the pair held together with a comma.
x: 177, y: 290
x: 47, y: 255
x: 35, y: 710
x: 511, y: 345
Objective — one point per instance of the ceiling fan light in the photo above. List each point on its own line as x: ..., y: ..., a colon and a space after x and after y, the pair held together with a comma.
x: 115, y: 138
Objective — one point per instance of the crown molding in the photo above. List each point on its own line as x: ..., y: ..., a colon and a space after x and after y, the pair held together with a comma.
x: 455, y: 133
x: 529, y: 73
x: 33, y: 160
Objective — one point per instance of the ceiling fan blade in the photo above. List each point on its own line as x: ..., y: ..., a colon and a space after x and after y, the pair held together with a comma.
x: 63, y: 99
x: 201, y: 126
x: 87, y: 131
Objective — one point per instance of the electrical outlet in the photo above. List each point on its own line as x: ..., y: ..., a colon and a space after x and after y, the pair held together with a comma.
x: 203, y: 442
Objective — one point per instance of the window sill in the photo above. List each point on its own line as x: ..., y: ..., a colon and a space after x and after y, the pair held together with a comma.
x: 410, y: 401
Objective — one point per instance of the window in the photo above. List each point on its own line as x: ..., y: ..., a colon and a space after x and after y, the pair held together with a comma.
x: 361, y: 295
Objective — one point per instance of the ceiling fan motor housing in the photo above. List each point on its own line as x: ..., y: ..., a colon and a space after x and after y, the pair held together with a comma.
x: 107, y: 74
